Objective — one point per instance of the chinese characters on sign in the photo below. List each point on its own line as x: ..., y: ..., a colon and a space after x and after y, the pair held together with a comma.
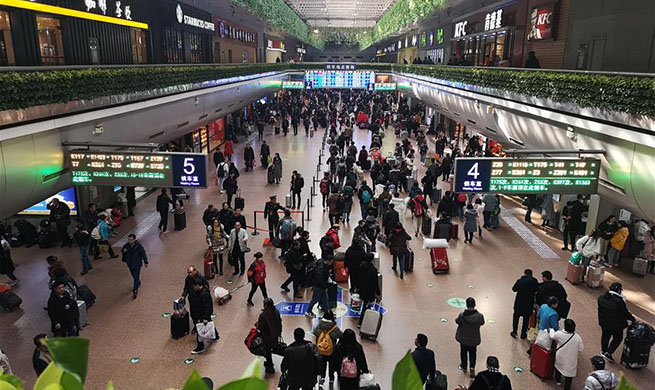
x: 339, y: 67
x: 120, y: 11
x: 493, y: 20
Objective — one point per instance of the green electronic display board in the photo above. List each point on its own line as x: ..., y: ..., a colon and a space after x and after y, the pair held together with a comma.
x: 138, y: 169
x: 527, y: 175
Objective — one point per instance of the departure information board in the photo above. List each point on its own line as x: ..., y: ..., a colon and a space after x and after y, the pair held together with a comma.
x: 527, y: 175
x: 138, y: 169
x: 315, y: 79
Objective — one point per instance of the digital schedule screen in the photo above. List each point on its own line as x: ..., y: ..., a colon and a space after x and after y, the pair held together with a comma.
x: 138, y: 169
x: 315, y: 79
x: 524, y: 176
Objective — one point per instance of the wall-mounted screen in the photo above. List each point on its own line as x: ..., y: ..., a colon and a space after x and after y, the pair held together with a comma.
x: 315, y: 79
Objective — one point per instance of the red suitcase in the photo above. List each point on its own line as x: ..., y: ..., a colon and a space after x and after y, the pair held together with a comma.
x: 454, y: 231
x: 209, y: 264
x: 340, y: 271
x: 439, y: 258
x: 542, y: 362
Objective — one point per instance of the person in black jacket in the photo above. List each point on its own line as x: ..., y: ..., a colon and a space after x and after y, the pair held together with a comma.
x: 248, y: 156
x: 297, y: 183
x: 613, y: 317
x: 83, y: 240
x: 60, y: 216
x: 398, y: 245
x: 209, y: 215
x: 163, y: 201
x: 135, y: 257
x: 369, y: 286
x: 41, y: 357
x: 201, y: 308
x: 552, y: 288
x: 63, y: 312
x: 349, y: 348
x: 491, y: 379
x: 90, y: 220
x: 295, y: 267
x: 355, y: 256
x: 423, y: 357
x: 389, y: 219
x: 271, y: 214
x: 225, y: 217
x: 321, y: 280
x: 237, y: 217
x: 525, y: 289
x: 193, y: 275
x: 300, y: 362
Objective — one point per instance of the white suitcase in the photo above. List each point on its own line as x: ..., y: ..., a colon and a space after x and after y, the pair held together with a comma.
x: 81, y: 307
x: 640, y: 266
x: 371, y: 324
x: 595, y: 276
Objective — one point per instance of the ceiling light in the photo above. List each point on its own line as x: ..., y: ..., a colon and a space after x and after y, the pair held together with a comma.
x: 315, y: 31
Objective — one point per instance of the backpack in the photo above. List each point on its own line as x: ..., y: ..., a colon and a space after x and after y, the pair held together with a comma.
x: 418, y: 206
x: 95, y: 233
x: 286, y: 229
x: 301, y: 182
x: 366, y: 196
x: 341, y: 202
x: 497, y: 386
x: 221, y: 170
x: 349, y: 367
x: 461, y: 198
x: 326, y: 242
x: 324, y: 342
x: 324, y: 187
x: 310, y: 271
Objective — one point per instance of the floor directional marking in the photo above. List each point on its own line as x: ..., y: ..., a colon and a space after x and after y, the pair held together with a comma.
x: 526, y: 234
x: 140, y: 229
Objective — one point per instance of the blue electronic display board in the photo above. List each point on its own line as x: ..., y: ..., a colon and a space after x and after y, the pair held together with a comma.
x: 339, y: 79
x: 67, y: 196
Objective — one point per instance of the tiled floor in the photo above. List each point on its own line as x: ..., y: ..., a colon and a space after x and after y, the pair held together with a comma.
x: 121, y: 328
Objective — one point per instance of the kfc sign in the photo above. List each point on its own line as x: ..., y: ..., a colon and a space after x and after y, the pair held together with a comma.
x: 460, y: 29
x: 542, y: 23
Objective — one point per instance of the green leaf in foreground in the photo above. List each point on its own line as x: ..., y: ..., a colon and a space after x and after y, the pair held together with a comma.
x: 195, y: 382
x: 405, y: 375
x: 12, y: 381
x: 624, y: 385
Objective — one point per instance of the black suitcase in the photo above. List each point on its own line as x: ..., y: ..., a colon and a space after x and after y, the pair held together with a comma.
x: 409, y: 262
x: 426, y: 226
x: 437, y: 381
x: 441, y: 230
x: 436, y: 195
x: 239, y: 203
x: 10, y: 301
x: 333, y: 290
x: 270, y: 176
x: 180, y: 325
x: 635, y: 355
x: 85, y: 294
x: 180, y: 219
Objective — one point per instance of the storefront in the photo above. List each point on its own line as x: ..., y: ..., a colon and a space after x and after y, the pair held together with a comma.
x: 432, y: 44
x: 274, y: 50
x: 408, y: 49
x: 181, y: 34
x: 489, y: 38
x: 234, y: 43
x: 216, y: 133
x: 74, y: 32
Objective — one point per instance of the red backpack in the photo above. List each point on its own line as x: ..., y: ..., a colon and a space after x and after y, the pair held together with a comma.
x: 257, y: 272
x: 324, y: 186
x: 418, y: 206
x: 461, y: 198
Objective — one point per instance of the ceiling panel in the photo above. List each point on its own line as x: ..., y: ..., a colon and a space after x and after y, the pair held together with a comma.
x: 340, y: 13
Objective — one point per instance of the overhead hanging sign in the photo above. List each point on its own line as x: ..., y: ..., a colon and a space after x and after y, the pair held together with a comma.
x: 527, y: 175
x: 138, y: 169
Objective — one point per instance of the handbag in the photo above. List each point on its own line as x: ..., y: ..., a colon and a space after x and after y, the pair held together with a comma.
x: 543, y: 340
x: 280, y: 347
x: 532, y: 334
x: 206, y: 332
x: 366, y: 380
x: 255, y: 342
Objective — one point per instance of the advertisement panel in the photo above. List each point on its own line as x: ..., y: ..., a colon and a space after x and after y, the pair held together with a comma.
x: 67, y: 196
x: 543, y: 22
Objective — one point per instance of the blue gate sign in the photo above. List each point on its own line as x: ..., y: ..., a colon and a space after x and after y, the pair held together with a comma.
x: 292, y: 308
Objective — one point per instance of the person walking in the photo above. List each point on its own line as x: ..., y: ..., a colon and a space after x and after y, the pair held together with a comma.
x: 547, y: 210
x: 490, y: 202
x: 269, y: 324
x: 420, y: 209
x: 217, y: 240
x: 238, y: 247
x: 335, y: 206
x: 103, y: 231
x: 525, y: 289
x: 616, y: 245
x: 423, y: 357
x: 320, y: 278
x: 468, y: 335
x: 600, y: 378
x: 277, y: 168
x: 327, y: 335
x: 271, y: 209
x: 222, y: 170
x: 260, y: 131
x: 90, y: 220
x: 287, y: 229
x: 569, y: 346
x: 490, y: 379
x: 369, y: 285
x: 547, y: 316
x: 294, y: 263
x: 201, y: 308
x: 355, y: 256
x: 248, y: 156
x: 193, y: 275
x: 350, y: 361
x: 257, y: 277
x: 63, y: 312
x: 231, y: 187
x: 300, y: 362
x: 613, y: 317
x: 163, y: 201
x: 365, y: 195
x: 297, y: 184
x: 398, y: 245
x: 324, y: 187
x: 470, y: 223
x: 134, y: 256
x: 590, y: 247
x: 5, y: 367
x: 265, y: 154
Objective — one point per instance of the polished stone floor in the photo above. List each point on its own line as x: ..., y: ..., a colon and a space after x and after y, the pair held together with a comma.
x: 121, y: 328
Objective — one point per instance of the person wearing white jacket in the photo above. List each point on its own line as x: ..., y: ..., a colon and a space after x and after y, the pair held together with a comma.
x: 569, y: 346
x: 5, y: 368
x: 590, y: 246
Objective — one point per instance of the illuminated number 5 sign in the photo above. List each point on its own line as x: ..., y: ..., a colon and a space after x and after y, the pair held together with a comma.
x: 189, y: 167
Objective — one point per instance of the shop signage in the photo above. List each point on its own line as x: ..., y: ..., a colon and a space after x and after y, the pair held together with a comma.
x: 301, y: 50
x: 121, y: 10
x: 400, y: 45
x: 542, y: 23
x: 139, y: 169
x: 493, y: 20
x: 520, y: 176
x: 274, y: 44
x: 191, y: 21
x: 460, y: 29
x: 424, y: 39
x: 340, y: 67
x: 431, y: 38
x: 406, y: 41
x: 232, y: 32
x: 440, y: 36
x: 414, y: 40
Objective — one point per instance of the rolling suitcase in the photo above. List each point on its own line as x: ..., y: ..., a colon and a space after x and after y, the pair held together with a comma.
x: 84, y: 293
x: 81, y: 308
x: 209, y: 264
x: 542, y: 362
x: 287, y: 201
x: 340, y: 271
x: 332, y: 290
x: 239, y: 202
x: 495, y: 221
x: 10, y: 301
x: 595, y: 276
x: 441, y: 230
x: 409, y: 263
x: 574, y: 273
x: 640, y: 266
x: 371, y: 324
x: 180, y: 219
x: 180, y: 325
x: 454, y: 231
x: 634, y: 355
x: 270, y: 176
x: 436, y: 195
x: 437, y: 381
x: 380, y: 282
x: 426, y: 226
x: 439, y: 259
